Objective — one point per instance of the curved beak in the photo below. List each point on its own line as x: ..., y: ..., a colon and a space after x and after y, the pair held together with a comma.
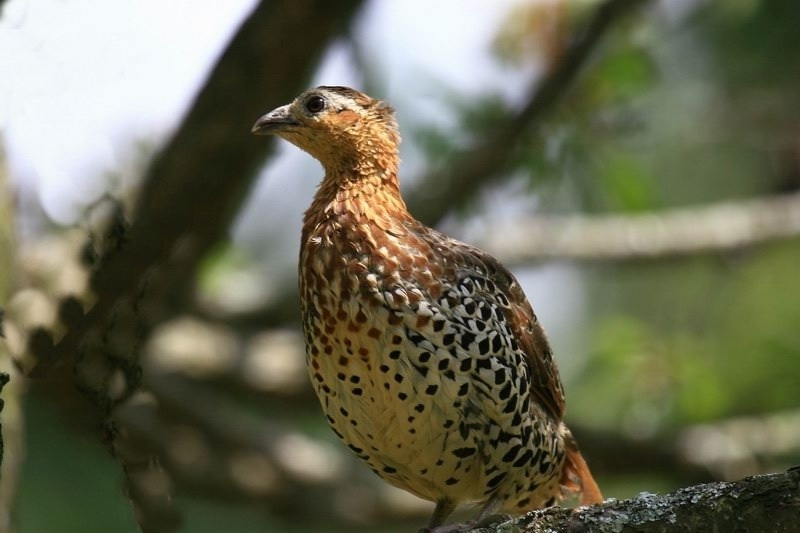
x: 275, y: 121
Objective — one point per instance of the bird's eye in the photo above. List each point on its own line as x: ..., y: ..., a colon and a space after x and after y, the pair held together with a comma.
x: 315, y: 104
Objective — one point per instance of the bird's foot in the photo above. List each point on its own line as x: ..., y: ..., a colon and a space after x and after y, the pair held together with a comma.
x: 469, y: 525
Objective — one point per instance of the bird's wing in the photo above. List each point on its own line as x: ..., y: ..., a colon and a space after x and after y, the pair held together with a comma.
x: 546, y: 386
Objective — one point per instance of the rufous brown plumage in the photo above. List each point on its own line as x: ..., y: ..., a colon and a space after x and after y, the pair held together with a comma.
x: 427, y: 358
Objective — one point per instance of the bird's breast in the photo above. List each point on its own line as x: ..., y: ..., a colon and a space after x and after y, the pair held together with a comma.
x: 416, y: 371
x: 365, y: 303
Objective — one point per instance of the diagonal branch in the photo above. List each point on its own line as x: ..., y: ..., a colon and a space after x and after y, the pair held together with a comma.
x: 196, y: 184
x: 191, y: 192
x: 485, y: 162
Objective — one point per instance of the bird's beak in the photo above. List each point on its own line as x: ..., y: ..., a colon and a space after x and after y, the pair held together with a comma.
x: 274, y: 121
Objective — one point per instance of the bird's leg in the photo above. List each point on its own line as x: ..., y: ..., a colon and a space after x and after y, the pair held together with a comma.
x: 486, y: 516
x: 444, y: 508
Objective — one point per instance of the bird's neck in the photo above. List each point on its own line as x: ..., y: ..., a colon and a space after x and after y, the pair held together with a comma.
x: 362, y: 191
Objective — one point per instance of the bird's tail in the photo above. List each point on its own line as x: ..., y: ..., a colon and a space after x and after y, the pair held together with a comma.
x: 575, y: 476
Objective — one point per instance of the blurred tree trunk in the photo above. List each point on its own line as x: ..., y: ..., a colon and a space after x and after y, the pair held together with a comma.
x: 143, y: 271
x: 11, y: 430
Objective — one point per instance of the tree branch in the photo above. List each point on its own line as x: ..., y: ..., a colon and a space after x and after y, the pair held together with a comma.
x: 723, y: 227
x: 759, y: 503
x: 192, y: 190
x: 213, y: 450
x: 195, y: 186
x: 438, y: 193
x: 682, y: 232
x: 489, y: 158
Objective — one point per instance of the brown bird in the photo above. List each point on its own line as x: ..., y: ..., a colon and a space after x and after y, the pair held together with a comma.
x: 425, y: 354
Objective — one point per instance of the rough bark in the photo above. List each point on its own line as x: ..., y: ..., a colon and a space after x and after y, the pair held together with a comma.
x: 759, y: 503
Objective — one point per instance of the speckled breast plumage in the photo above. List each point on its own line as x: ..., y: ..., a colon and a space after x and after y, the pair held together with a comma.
x: 413, y: 356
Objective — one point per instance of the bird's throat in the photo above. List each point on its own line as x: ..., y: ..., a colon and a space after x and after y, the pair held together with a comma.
x: 355, y: 197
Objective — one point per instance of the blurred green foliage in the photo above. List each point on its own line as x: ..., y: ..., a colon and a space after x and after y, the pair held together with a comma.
x: 69, y: 480
x: 694, y: 340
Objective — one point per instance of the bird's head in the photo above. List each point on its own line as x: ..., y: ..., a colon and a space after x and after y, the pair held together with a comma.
x: 341, y: 127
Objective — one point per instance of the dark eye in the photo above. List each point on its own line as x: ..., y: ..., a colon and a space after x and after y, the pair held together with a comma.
x: 315, y: 104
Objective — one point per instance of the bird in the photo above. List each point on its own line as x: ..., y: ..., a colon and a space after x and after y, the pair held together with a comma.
x: 426, y: 356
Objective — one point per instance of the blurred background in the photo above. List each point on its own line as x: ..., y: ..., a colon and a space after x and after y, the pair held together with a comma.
x: 636, y: 164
